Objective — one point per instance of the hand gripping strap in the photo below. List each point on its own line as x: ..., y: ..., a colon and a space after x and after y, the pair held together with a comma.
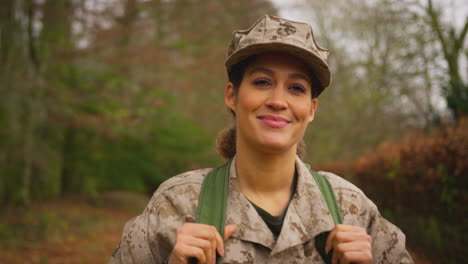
x: 212, y: 202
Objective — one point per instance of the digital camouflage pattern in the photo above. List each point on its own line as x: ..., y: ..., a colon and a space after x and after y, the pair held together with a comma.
x: 150, y: 237
x: 272, y: 33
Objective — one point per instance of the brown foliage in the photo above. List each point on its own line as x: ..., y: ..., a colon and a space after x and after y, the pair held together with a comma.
x: 421, y: 172
x: 420, y: 183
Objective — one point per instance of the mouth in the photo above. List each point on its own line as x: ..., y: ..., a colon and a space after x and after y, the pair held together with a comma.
x: 274, y: 121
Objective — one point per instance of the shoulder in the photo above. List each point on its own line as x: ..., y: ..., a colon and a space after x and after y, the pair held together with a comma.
x: 174, y: 201
x: 194, y: 177
x: 356, y: 207
x: 339, y: 184
x: 151, y: 235
x: 183, y: 186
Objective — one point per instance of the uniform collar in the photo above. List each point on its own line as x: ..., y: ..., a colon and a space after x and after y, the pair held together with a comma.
x: 307, y: 215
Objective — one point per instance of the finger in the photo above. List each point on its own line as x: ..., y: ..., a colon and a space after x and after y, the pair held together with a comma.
x: 195, y: 228
x: 335, y: 258
x: 206, y: 232
x: 355, y: 251
x: 228, y: 231
x: 217, y: 241
x: 213, y: 251
x: 344, y: 237
x: 330, y: 239
x: 357, y: 257
x: 182, y: 252
x: 203, y: 244
x: 345, y: 233
x: 362, y: 246
x: 349, y: 228
x: 344, y: 241
x: 197, y: 253
x: 214, y: 238
x: 197, y: 235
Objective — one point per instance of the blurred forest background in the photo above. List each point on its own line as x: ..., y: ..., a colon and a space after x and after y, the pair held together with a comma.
x: 105, y: 95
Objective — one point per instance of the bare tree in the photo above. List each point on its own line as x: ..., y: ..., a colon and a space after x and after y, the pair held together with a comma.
x: 452, y: 45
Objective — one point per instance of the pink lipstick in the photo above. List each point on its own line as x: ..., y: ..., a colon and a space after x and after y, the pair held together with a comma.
x: 273, y: 121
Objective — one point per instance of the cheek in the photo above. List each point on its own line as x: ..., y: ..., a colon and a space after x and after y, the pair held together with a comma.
x: 304, y: 112
x: 248, y: 101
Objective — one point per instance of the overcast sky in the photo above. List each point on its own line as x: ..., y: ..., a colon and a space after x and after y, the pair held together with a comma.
x: 456, y: 10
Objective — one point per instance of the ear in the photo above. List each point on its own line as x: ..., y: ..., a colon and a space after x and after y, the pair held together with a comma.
x: 312, y: 109
x: 230, y: 97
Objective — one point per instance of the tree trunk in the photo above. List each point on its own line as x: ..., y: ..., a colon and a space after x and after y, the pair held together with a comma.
x: 456, y: 91
x: 69, y: 181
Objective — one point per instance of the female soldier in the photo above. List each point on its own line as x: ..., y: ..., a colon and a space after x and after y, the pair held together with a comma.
x: 274, y: 207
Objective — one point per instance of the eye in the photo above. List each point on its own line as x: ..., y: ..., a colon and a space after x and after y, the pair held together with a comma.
x: 296, y: 88
x: 261, y: 82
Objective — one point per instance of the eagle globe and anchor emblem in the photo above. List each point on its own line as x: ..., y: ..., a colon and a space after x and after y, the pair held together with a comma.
x: 286, y: 29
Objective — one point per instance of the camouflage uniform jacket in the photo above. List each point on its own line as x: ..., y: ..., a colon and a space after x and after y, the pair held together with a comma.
x: 150, y: 237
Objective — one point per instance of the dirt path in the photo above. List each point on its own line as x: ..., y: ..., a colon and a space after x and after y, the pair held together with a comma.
x: 73, y: 230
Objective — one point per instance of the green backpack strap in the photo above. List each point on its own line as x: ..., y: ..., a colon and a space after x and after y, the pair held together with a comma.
x: 212, y: 204
x: 330, y: 199
x: 212, y: 201
x: 328, y: 195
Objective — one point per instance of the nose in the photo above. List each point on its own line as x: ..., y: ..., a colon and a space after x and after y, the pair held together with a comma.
x: 277, y: 100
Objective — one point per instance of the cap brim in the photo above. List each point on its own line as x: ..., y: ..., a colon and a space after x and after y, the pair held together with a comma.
x: 318, y: 67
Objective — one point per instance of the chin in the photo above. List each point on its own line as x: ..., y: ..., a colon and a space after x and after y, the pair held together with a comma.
x: 276, y: 146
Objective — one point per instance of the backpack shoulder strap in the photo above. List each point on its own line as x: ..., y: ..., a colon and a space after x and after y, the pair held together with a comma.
x: 330, y: 199
x: 328, y: 195
x: 212, y: 201
x: 211, y: 208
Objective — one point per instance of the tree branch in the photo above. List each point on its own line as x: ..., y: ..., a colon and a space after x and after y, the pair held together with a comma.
x: 436, y: 26
x: 31, y: 43
x: 461, y: 39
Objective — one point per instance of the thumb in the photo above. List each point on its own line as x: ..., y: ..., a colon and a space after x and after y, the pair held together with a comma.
x: 228, y: 231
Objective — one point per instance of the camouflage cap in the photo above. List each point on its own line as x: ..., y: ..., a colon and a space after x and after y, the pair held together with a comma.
x: 271, y: 33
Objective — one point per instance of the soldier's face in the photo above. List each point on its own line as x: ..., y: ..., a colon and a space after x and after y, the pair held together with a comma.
x: 273, y: 105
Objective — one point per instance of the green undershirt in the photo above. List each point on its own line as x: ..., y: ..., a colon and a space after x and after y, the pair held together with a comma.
x: 275, y: 223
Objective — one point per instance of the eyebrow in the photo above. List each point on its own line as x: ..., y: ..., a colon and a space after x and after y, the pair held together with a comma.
x: 271, y: 73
